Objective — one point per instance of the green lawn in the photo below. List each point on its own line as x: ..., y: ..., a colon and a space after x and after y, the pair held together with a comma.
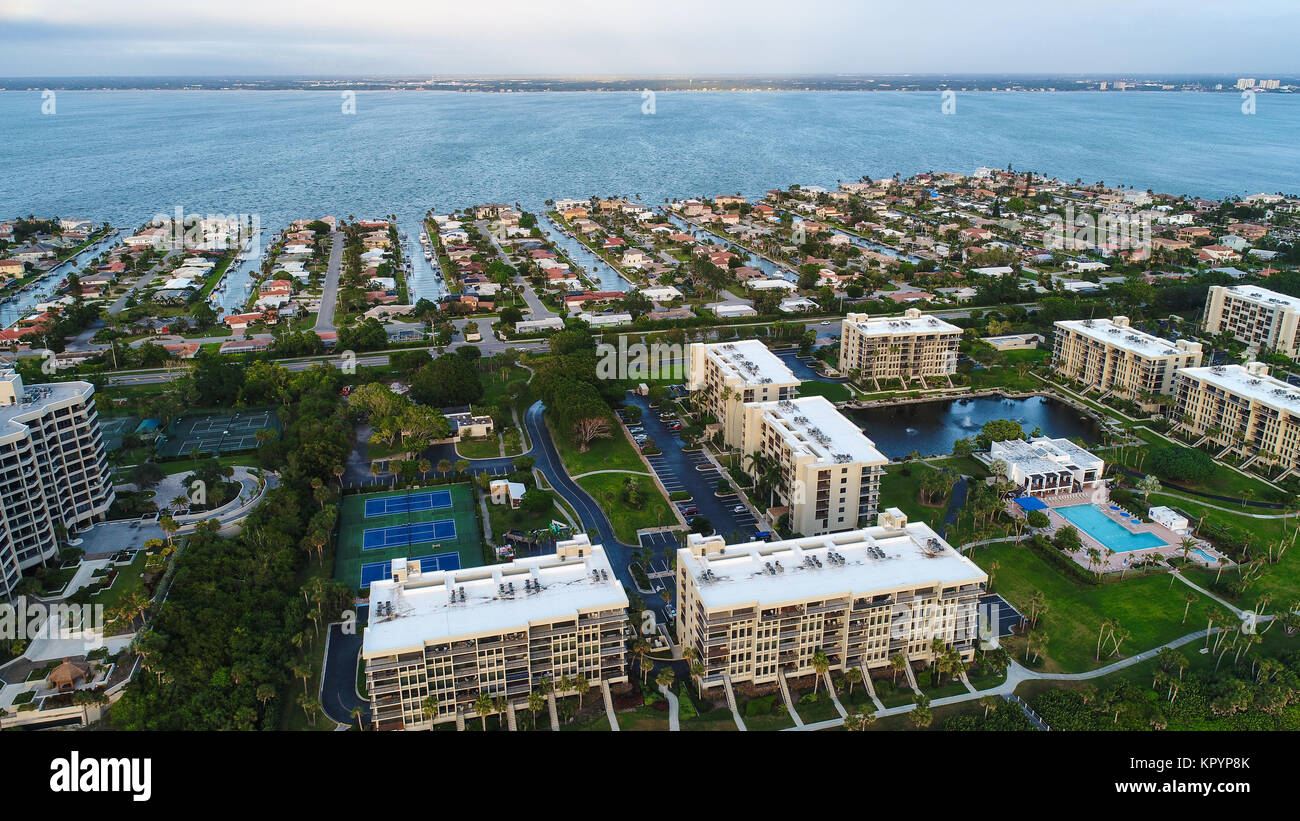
x: 607, y: 490
x: 615, y: 453
x: 903, y: 492
x: 833, y: 391
x: 1281, y: 580
x: 485, y: 448
x: 1144, y: 605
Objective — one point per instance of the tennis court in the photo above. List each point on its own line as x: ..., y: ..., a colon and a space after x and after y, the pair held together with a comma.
x: 115, y: 429
x: 218, y: 432
x: 375, y: 528
x: 380, y: 537
x: 410, y: 503
x: 374, y: 571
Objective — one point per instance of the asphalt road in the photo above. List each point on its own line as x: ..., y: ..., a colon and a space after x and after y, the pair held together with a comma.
x: 330, y: 295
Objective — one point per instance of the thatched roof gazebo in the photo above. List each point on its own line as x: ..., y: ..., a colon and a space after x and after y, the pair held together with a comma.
x: 64, y: 678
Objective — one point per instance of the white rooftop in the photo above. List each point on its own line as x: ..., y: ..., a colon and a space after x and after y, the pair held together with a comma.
x: 1044, y: 455
x: 1263, y: 296
x: 422, y: 608
x: 812, y: 425
x: 1250, y: 380
x: 1121, y: 335
x: 751, y: 362
x: 912, y: 322
x: 875, y: 559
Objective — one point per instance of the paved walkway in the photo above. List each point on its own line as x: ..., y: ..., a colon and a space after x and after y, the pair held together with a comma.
x: 1015, y: 675
x: 673, y: 724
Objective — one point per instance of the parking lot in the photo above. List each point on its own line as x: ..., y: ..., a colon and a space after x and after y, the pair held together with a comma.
x: 693, y: 473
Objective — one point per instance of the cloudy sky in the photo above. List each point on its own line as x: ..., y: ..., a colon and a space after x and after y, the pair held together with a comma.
x: 608, y: 37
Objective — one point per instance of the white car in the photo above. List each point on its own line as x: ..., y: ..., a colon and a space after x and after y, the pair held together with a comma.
x: 826, y: 322
x: 739, y: 509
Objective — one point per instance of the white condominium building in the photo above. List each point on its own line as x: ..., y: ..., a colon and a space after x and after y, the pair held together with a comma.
x: 1241, y: 406
x: 498, y: 630
x: 888, y: 347
x: 727, y: 375
x: 754, y: 611
x: 53, y: 470
x: 1046, y: 467
x: 830, y: 471
x: 1256, y: 316
x: 1108, y: 355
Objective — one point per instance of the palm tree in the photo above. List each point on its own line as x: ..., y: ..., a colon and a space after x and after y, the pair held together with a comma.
x: 853, y: 676
x: 444, y: 466
x: 429, y: 706
x: 1191, y: 598
x: 990, y: 704
x: 581, y: 686
x: 357, y: 712
x: 484, y: 706
x: 897, y: 663
x: 536, y: 701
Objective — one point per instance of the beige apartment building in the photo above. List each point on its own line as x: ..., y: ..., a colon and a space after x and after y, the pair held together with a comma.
x: 1108, y: 355
x: 499, y: 630
x: 727, y: 375
x: 757, y: 610
x: 53, y: 470
x: 913, y: 346
x: 830, y: 471
x: 1256, y: 316
x: 1241, y: 407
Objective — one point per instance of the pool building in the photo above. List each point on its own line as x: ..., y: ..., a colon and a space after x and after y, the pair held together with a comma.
x: 1050, y: 467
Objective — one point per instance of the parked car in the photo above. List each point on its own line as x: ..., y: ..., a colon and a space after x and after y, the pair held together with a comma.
x: 671, y: 611
x: 739, y: 509
x: 690, y: 510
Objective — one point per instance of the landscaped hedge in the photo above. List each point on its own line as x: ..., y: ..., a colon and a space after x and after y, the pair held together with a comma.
x: 1061, y: 561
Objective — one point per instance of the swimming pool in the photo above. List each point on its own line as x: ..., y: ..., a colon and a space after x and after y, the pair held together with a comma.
x: 1106, y: 530
x: 1204, y: 555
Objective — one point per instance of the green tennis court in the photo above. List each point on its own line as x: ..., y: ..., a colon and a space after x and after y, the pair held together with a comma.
x: 433, y: 530
x: 218, y: 433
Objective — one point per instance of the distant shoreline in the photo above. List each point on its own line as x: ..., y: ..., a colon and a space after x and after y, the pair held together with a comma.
x: 967, y: 83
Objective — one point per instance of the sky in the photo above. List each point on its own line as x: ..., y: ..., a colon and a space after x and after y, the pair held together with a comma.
x: 592, y: 38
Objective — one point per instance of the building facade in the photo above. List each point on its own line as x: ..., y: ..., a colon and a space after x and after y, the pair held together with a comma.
x: 498, y: 630
x: 1256, y: 316
x: 1241, y: 407
x: 830, y: 472
x: 726, y: 375
x: 1108, y: 355
x: 910, y: 347
x: 54, y: 470
x: 755, y: 611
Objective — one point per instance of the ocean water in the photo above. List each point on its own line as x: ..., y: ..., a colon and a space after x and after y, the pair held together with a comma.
x: 125, y: 156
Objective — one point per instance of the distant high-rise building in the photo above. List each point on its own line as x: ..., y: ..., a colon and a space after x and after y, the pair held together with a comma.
x: 53, y: 470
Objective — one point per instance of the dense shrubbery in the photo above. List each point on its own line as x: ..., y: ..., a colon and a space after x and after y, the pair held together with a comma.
x: 220, y: 653
x: 1181, y: 464
x: 1253, y: 694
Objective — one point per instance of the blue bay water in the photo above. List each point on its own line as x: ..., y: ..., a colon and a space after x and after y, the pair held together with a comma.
x: 125, y: 156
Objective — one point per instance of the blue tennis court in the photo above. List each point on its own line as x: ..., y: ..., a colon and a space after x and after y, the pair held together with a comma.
x: 408, y: 503
x: 381, y: 537
x: 376, y: 571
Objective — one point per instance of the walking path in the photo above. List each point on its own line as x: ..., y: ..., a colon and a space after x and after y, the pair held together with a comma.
x: 673, y: 724
x: 1015, y: 675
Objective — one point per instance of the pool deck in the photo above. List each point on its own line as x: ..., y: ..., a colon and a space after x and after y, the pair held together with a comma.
x: 1114, y: 562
